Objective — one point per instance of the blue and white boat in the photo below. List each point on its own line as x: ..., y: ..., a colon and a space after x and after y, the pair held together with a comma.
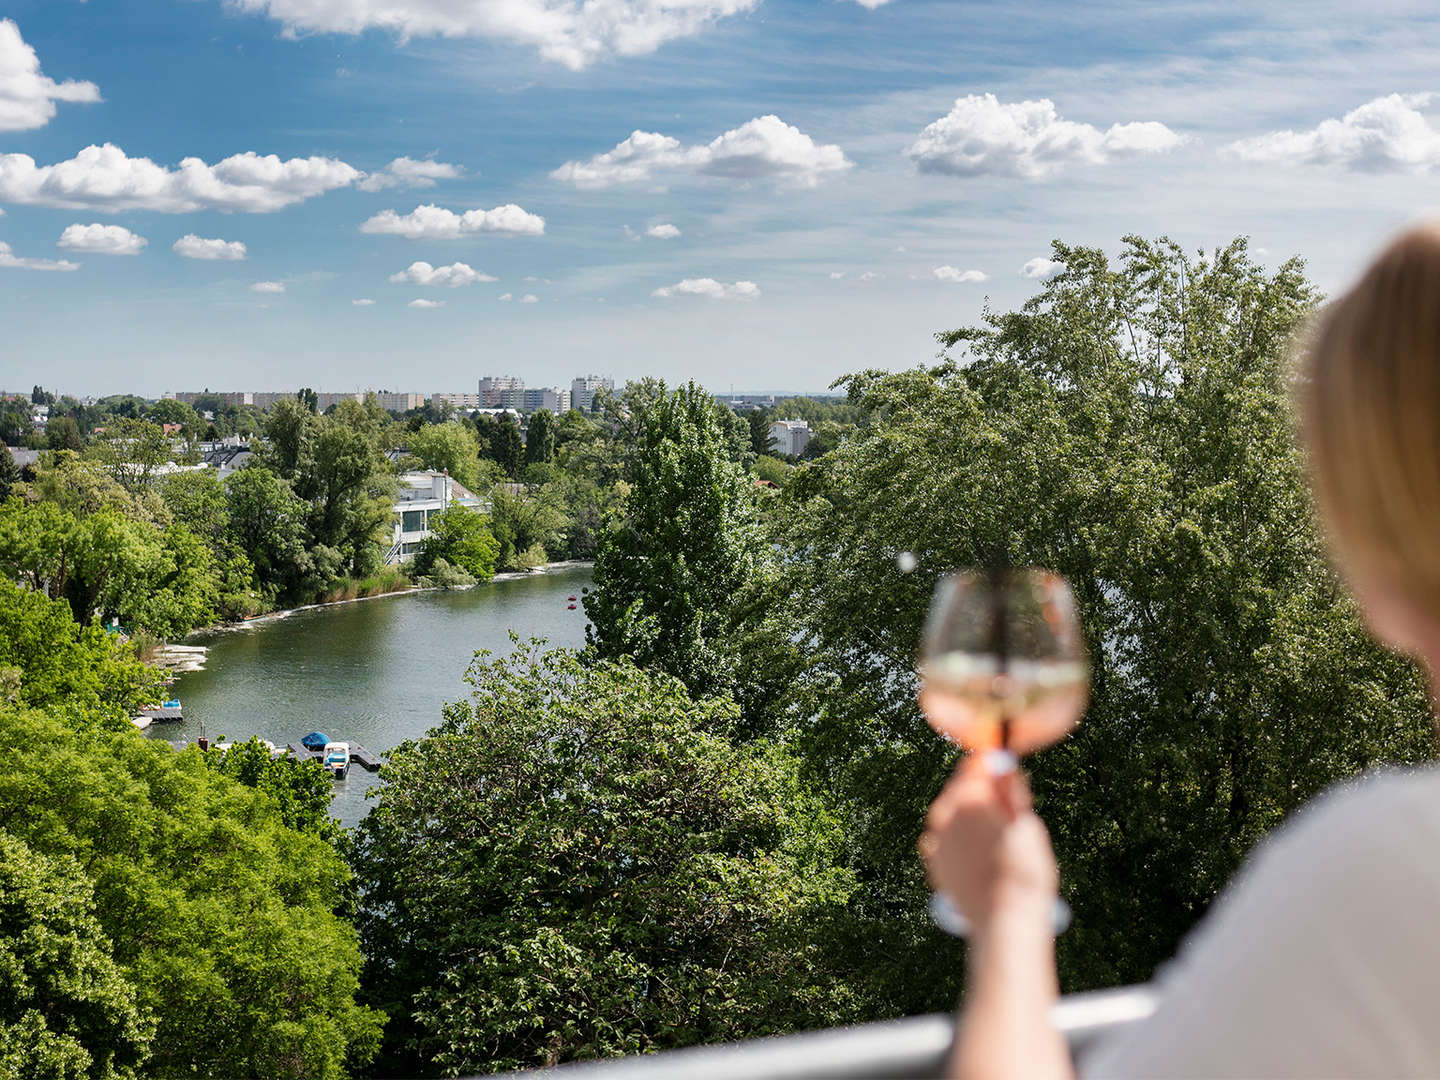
x: 337, y: 759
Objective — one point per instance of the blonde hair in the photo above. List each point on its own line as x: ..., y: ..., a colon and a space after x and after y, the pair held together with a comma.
x: 1369, y: 397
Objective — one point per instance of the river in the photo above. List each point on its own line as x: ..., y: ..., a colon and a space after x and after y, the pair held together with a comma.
x: 374, y: 672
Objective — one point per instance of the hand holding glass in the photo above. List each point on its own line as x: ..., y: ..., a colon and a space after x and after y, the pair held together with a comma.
x: 1003, y: 670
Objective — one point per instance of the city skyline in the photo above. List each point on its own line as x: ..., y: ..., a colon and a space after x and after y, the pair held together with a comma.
x: 276, y: 192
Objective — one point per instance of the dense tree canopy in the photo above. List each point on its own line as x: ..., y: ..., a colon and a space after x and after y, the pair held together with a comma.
x: 218, y: 915
x: 578, y: 862
x: 462, y: 537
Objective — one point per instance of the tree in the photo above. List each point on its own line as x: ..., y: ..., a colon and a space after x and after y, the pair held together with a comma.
x: 578, y: 863
x: 62, y: 433
x: 771, y: 469
x: 1129, y: 428
x: 503, y: 443
x: 47, y: 660
x: 300, y: 790
x: 170, y: 411
x: 9, y: 473
x: 131, y: 452
x: 668, y: 567
x: 267, y: 520
x: 66, y: 1007
x: 525, y: 526
x: 450, y: 448
x: 107, y: 565
x: 540, y: 438
x: 199, y: 502
x: 761, y: 441
x: 15, y: 422
x: 462, y: 537
x: 220, y: 916
x: 40, y: 396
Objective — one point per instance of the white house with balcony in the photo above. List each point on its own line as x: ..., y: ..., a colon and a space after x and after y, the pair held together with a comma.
x: 423, y: 495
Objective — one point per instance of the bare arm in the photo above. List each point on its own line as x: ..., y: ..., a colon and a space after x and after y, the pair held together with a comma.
x: 987, y: 851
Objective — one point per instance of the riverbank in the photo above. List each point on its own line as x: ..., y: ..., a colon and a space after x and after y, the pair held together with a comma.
x: 271, y: 616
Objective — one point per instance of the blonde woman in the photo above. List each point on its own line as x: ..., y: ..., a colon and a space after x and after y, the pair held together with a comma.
x: 1323, y: 958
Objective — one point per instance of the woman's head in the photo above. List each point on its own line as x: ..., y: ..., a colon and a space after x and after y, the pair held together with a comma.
x: 1369, y: 393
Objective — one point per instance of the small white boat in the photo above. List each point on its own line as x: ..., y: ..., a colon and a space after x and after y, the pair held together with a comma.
x: 337, y: 759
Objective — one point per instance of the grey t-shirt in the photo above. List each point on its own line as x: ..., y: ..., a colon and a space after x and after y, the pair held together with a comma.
x: 1321, y: 960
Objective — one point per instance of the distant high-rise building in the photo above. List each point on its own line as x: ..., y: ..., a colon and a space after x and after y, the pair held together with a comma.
x: 583, y: 387
x: 535, y: 398
x: 493, y: 389
x: 189, y: 397
x: 457, y: 401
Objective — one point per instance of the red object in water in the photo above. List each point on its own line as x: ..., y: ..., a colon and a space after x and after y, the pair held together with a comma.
x: 573, y: 598
x: 572, y: 607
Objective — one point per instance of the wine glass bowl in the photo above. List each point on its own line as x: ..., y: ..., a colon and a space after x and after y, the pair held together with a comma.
x: 1003, y: 664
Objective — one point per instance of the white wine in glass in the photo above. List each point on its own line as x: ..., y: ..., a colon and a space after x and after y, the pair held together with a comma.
x: 1003, y: 664
x: 1003, y: 672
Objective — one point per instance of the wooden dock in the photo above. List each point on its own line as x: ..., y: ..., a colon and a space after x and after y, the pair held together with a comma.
x: 364, y: 758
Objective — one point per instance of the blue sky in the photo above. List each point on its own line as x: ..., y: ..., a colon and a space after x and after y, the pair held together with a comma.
x: 922, y: 154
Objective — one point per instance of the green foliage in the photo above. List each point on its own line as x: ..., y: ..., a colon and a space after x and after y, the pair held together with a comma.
x: 169, y: 411
x: 108, y: 565
x: 15, y: 422
x: 301, y: 790
x: 218, y: 914
x: 62, y: 433
x: 130, y: 452
x: 540, y: 438
x: 9, y: 473
x: 441, y: 575
x: 525, y: 526
x: 451, y: 448
x: 1128, y: 428
x: 771, y: 469
x: 578, y: 863
x: 47, y: 660
x: 67, y: 1009
x: 461, y: 537
x: 501, y: 442
x: 668, y: 567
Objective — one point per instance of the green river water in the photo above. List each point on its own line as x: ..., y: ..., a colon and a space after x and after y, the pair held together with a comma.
x: 374, y: 672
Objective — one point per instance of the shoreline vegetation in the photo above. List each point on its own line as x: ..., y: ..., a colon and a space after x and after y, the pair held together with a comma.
x: 403, y: 590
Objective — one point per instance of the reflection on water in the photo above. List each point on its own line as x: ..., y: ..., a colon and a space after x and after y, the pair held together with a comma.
x: 374, y: 672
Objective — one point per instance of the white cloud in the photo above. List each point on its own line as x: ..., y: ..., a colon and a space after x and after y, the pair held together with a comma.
x: 759, y: 149
x: 836, y: 275
x: 872, y: 4
x: 664, y: 231
x: 960, y: 277
x: 507, y: 296
x: 1388, y: 133
x: 426, y: 303
x: 432, y: 222
x: 363, y: 303
x: 869, y: 275
x: 1042, y: 269
x: 1027, y: 139
x: 409, y: 173
x: 568, y: 32
x: 104, y: 178
x: 268, y: 287
x: 715, y: 290
x: 27, y: 98
x: 10, y: 261
x: 452, y: 276
x: 529, y: 298
x: 191, y: 246
x: 101, y: 239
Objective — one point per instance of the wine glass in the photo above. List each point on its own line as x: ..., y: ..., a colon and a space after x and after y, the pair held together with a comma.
x: 1003, y: 672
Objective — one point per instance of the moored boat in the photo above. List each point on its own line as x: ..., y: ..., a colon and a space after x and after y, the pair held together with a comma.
x: 337, y: 759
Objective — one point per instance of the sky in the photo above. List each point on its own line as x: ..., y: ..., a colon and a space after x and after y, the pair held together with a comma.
x: 757, y: 194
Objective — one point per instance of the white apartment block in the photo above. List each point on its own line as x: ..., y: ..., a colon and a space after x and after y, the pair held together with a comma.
x: 790, y: 437
x: 457, y: 401
x: 493, y: 388
x: 398, y: 402
x: 583, y: 388
x: 422, y: 495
